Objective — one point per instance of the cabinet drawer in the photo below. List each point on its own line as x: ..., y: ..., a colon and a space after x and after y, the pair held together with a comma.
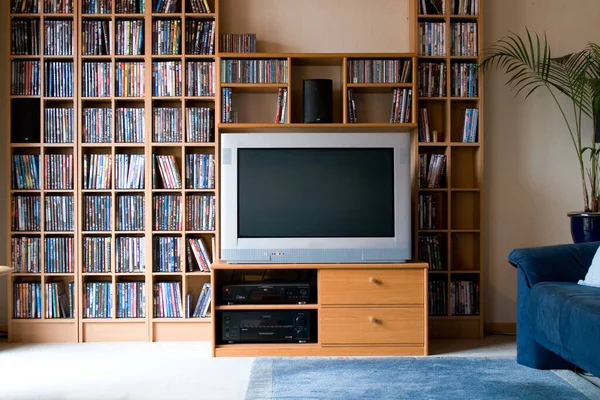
x: 372, y: 286
x: 372, y: 325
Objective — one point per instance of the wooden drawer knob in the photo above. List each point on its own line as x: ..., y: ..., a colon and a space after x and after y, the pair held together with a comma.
x: 374, y: 281
x: 373, y: 320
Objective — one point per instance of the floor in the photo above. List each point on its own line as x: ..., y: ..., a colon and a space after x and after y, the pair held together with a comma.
x: 147, y: 371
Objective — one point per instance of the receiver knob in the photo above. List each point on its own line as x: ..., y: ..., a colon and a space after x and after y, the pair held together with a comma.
x: 301, y: 320
x: 303, y: 292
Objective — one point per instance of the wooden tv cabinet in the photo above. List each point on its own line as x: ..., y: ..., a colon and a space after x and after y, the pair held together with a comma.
x: 362, y: 310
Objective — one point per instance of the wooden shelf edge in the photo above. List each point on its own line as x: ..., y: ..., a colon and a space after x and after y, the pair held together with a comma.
x: 313, y: 349
x: 267, y: 307
x: 315, y: 127
x: 407, y: 265
x: 317, y: 55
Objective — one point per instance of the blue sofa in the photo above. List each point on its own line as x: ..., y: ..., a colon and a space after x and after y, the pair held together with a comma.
x: 558, y: 321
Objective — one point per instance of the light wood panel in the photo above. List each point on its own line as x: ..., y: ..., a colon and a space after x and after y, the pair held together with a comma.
x: 33, y: 331
x: 368, y: 325
x: 303, y: 350
x: 320, y: 25
x: 371, y: 286
x: 112, y: 331
x: 170, y: 331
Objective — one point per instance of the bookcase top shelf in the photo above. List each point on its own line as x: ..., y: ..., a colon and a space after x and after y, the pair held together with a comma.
x: 316, y: 56
x: 301, y: 127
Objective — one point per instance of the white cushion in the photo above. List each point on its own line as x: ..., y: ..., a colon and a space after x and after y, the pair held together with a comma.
x: 592, y: 277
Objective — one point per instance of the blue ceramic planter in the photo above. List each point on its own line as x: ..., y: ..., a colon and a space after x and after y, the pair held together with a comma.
x: 585, y: 227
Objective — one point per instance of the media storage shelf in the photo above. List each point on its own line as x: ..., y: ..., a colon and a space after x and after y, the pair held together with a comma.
x: 455, y: 112
x: 394, y: 290
x: 300, y: 65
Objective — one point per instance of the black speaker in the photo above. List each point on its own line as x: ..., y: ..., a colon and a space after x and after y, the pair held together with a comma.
x: 317, y: 101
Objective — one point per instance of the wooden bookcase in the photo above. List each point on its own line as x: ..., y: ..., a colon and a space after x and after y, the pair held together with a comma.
x: 458, y: 223
x: 113, y: 326
x: 256, y: 106
x: 29, y: 105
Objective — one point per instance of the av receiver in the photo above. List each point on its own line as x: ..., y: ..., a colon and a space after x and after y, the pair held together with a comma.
x: 274, y: 326
x: 264, y: 293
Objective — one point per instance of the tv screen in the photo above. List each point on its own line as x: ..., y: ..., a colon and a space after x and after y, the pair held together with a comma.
x: 315, y: 193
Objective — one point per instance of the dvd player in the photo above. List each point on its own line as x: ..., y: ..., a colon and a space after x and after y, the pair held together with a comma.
x: 267, y: 326
x: 266, y: 292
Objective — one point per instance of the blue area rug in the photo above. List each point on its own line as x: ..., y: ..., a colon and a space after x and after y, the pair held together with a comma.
x: 412, y: 378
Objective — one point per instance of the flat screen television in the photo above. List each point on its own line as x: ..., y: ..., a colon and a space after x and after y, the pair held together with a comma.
x: 315, y: 197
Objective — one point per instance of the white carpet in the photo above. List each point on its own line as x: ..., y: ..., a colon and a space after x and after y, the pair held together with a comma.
x: 147, y: 371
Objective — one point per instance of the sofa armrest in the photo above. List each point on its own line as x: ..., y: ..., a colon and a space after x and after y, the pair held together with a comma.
x: 558, y: 263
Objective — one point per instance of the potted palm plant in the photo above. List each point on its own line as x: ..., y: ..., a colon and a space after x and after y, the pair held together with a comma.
x: 530, y: 65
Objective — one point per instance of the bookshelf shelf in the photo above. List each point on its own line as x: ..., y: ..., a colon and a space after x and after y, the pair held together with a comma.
x: 464, y: 98
x: 16, y: 191
x: 378, y: 85
x: 453, y: 317
x: 313, y: 127
x: 97, y: 16
x: 101, y: 320
x: 168, y: 98
x: 432, y: 98
x: 167, y: 15
x: 200, y: 15
x: 45, y: 320
x: 434, y: 58
x: 199, y: 57
x: 141, y: 320
x: 432, y: 16
x: 465, y: 58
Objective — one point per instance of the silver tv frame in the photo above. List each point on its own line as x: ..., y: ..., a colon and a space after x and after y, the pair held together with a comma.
x: 315, y: 250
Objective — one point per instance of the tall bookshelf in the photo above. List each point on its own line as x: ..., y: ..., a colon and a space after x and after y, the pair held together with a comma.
x: 136, y: 128
x: 42, y: 170
x: 121, y: 126
x: 450, y: 237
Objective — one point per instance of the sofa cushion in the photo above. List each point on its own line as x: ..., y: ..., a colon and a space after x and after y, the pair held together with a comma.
x: 592, y: 278
x: 565, y: 318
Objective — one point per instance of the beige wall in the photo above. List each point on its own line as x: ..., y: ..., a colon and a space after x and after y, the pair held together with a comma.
x: 531, y: 175
x: 531, y: 171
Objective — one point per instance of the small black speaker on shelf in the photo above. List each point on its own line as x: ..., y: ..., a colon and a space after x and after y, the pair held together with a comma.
x: 317, y: 101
